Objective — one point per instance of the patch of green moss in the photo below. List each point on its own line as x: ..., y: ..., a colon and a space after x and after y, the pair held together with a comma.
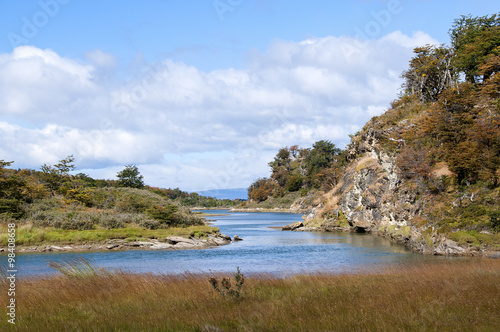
x: 404, y: 231
x: 343, y: 220
x: 475, y: 238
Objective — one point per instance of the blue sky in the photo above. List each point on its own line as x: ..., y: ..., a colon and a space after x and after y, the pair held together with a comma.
x: 201, y: 94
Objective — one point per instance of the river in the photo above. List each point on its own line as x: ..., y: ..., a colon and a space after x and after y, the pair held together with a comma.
x: 264, y: 249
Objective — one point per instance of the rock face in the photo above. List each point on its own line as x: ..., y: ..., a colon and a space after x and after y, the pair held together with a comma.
x: 372, y: 197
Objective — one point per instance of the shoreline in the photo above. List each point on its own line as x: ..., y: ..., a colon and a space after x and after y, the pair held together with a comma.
x: 171, y: 243
x: 445, y: 247
x: 265, y: 210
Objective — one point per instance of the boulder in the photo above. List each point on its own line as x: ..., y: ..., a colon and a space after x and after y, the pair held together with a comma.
x: 219, y: 239
x: 224, y: 237
x: 185, y: 245
x: 177, y: 239
x: 160, y: 246
x: 293, y: 226
x: 237, y: 238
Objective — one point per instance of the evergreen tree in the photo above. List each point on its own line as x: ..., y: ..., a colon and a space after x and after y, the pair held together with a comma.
x: 130, y: 177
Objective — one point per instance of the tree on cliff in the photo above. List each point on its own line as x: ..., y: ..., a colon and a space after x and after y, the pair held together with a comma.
x: 473, y: 40
x: 430, y: 72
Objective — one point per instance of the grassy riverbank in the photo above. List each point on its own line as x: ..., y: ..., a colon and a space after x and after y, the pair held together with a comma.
x: 459, y: 296
x: 29, y: 235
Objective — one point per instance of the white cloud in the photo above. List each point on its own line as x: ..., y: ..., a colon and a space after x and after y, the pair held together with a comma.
x: 188, y: 128
x: 101, y: 59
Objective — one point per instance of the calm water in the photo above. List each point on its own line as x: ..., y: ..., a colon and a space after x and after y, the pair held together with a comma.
x: 263, y: 250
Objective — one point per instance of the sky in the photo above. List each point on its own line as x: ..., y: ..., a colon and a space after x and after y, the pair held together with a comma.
x: 201, y: 94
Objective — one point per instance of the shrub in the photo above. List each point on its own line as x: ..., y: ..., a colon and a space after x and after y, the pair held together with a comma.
x: 76, y: 221
x: 225, y: 287
x: 111, y: 221
x: 495, y: 220
x: 149, y: 223
x: 163, y: 214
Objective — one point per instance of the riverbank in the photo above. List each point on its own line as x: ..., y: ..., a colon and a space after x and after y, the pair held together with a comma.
x: 459, y: 296
x: 273, y: 210
x: 34, y: 239
x: 443, y: 246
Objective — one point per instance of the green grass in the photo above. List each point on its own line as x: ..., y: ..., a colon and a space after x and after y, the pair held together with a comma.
x: 477, y: 239
x: 459, y: 296
x: 29, y: 235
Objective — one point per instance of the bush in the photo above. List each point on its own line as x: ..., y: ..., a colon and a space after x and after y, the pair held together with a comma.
x: 76, y: 221
x: 163, y: 214
x: 186, y: 219
x: 149, y: 223
x: 226, y: 289
x: 111, y: 221
x: 495, y: 220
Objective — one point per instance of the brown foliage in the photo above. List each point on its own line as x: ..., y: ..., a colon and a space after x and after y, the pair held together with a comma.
x: 413, y: 163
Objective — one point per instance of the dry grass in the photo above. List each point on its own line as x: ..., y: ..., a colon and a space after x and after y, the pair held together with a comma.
x: 463, y: 296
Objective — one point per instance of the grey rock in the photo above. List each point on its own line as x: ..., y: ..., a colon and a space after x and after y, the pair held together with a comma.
x: 161, y: 246
x: 177, y: 239
x: 293, y: 227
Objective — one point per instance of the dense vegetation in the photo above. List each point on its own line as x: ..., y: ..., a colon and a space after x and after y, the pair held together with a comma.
x: 300, y: 169
x: 51, y: 203
x: 443, y: 130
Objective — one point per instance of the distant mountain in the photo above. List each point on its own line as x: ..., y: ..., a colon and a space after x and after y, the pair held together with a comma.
x: 241, y: 193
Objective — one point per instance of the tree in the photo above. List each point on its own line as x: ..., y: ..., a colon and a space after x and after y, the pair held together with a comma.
x: 473, y: 39
x: 261, y: 189
x: 65, y: 165
x: 58, y: 175
x: 11, y: 187
x: 294, y: 182
x: 130, y: 177
x: 430, y: 72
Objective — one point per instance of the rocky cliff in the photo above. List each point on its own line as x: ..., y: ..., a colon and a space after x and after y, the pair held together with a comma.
x: 372, y: 196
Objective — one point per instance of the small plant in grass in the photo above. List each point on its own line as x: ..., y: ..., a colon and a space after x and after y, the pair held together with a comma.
x: 225, y: 287
x: 77, y: 267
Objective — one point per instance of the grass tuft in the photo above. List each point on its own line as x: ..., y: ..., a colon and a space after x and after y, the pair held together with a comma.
x: 77, y: 267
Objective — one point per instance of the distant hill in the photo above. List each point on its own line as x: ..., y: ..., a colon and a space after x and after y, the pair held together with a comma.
x: 235, y: 193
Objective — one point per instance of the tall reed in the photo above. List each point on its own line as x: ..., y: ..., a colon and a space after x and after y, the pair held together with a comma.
x: 77, y: 267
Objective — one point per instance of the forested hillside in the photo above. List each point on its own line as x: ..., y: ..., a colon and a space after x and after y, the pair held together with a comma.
x: 427, y: 170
